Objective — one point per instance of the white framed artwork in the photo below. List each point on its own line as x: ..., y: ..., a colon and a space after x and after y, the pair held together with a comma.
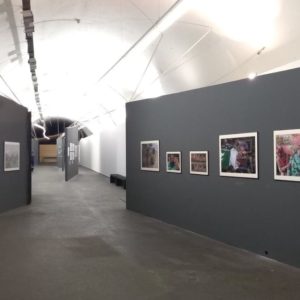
x: 11, y: 156
x: 173, y: 162
x: 238, y: 156
x: 287, y: 154
x: 149, y: 155
x: 199, y: 162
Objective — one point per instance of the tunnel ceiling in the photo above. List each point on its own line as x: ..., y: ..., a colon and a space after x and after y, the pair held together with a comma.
x: 54, y: 128
x: 94, y: 56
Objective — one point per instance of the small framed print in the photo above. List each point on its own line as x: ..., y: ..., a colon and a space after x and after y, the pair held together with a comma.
x: 199, y: 162
x: 287, y: 154
x: 150, y: 155
x: 238, y: 155
x: 173, y: 162
x: 11, y: 156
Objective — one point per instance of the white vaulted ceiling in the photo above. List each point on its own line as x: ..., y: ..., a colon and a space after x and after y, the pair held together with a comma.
x: 79, y: 45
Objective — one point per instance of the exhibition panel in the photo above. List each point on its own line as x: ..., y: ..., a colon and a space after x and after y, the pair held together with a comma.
x: 238, y: 202
x: 34, y: 151
x: 60, y: 143
x: 15, y: 155
x: 71, y: 149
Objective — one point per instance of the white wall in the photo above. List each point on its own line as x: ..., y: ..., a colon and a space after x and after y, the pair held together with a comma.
x: 105, y: 151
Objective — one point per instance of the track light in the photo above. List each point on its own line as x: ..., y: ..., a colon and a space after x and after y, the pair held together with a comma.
x: 252, y: 75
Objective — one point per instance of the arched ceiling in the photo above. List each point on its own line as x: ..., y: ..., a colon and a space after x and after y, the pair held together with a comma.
x: 86, y: 72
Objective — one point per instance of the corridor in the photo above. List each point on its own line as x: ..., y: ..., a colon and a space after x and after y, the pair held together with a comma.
x: 77, y: 241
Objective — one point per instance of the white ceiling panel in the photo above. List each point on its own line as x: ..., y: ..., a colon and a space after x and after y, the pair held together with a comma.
x: 86, y: 71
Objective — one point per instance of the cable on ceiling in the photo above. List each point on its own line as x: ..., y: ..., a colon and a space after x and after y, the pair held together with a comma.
x: 13, y: 93
x: 174, y: 65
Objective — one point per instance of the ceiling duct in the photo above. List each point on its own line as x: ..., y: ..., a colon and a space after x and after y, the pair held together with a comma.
x: 28, y: 22
x: 29, y: 30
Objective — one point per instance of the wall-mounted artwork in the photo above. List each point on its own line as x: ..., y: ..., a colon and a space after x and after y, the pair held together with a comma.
x: 173, y: 162
x: 150, y: 155
x: 199, y: 162
x: 287, y: 155
x: 11, y: 156
x: 238, y: 155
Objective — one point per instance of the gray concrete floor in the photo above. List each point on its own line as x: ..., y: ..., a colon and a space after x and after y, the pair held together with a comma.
x: 77, y: 241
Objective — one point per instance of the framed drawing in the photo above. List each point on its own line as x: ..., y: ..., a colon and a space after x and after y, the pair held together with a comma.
x: 11, y: 156
x: 199, y: 162
x: 238, y: 155
x: 173, y: 162
x: 150, y: 155
x: 287, y: 154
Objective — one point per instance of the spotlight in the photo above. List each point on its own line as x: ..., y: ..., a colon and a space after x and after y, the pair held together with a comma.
x: 252, y: 75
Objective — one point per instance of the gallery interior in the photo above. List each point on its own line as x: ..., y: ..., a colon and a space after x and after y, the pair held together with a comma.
x: 149, y: 149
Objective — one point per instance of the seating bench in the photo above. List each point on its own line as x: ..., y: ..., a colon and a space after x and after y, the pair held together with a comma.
x: 118, y: 179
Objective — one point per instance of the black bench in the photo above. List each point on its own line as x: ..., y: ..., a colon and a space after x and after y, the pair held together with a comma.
x: 118, y: 179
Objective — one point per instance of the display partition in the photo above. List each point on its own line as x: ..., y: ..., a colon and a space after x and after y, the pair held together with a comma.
x: 71, y: 152
x: 243, y: 207
x: 60, y: 146
x: 15, y: 155
x: 34, y: 152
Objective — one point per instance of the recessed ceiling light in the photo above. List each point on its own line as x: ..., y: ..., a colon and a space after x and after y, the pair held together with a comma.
x: 252, y: 75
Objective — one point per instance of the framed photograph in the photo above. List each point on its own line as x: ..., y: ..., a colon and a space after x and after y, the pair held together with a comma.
x: 150, y: 155
x: 199, y: 162
x: 287, y: 154
x: 238, y: 155
x: 11, y: 156
x: 173, y: 162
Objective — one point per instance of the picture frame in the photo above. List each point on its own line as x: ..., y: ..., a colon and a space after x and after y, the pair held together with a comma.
x: 11, y: 156
x: 286, y: 154
x: 238, y: 155
x: 173, y: 162
x: 199, y: 162
x: 149, y: 155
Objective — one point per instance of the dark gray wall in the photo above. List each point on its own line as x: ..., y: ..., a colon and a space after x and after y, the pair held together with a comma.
x: 35, y: 151
x: 15, y: 126
x: 71, y: 165
x: 259, y: 215
x: 60, y: 152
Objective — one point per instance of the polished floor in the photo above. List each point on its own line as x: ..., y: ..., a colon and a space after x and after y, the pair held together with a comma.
x: 77, y: 241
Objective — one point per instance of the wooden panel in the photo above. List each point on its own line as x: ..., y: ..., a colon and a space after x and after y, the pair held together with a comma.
x: 48, y: 153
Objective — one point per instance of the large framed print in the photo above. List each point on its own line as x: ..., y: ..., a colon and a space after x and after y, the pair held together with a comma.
x: 199, y: 162
x: 238, y: 155
x: 11, y: 156
x: 173, y: 162
x: 150, y: 155
x: 287, y: 154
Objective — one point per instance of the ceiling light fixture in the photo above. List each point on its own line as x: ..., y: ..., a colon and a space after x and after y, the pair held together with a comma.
x: 252, y: 75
